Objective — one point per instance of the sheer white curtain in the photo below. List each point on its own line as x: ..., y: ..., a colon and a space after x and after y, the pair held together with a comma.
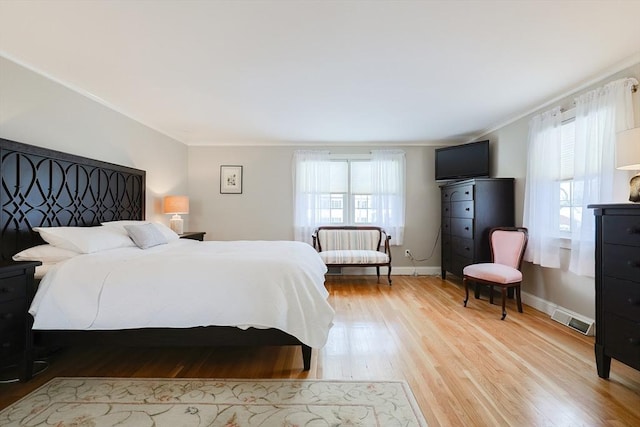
x: 542, y: 193
x: 600, y: 114
x: 388, y: 192
x: 311, y: 181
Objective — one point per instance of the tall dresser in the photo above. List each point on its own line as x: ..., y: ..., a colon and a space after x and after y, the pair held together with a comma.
x: 617, y: 285
x: 470, y: 209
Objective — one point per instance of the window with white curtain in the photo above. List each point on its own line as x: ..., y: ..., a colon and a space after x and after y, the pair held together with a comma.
x: 349, y: 190
x: 570, y: 165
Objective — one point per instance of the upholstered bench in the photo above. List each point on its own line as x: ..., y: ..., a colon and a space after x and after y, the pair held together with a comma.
x: 353, y: 246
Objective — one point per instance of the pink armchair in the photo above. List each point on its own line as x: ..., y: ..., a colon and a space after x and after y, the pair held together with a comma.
x: 507, y: 249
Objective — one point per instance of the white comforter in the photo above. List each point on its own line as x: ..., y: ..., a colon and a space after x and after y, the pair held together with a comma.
x: 186, y: 283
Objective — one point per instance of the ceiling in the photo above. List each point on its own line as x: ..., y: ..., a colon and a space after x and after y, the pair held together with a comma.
x: 321, y: 72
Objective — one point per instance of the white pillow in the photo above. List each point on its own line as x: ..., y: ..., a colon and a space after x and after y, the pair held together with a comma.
x: 45, y: 254
x: 168, y: 233
x: 85, y: 240
x: 145, y: 235
x: 41, y: 270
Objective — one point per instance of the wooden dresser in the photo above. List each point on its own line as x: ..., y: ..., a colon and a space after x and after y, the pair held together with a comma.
x: 617, y: 285
x: 470, y: 209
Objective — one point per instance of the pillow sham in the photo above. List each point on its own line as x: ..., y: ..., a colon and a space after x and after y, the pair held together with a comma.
x: 41, y: 270
x: 84, y: 239
x: 145, y: 235
x: 168, y: 233
x: 45, y: 254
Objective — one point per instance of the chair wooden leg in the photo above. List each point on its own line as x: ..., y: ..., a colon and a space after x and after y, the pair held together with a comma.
x: 378, y: 273
x: 518, y: 299
x: 466, y: 290
x: 504, y: 297
x: 389, y: 275
x: 490, y: 294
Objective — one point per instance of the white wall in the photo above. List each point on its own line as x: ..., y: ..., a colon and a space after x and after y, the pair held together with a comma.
x: 547, y: 287
x: 265, y: 209
x: 38, y: 111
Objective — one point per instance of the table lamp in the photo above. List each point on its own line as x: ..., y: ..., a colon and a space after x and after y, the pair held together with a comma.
x: 628, y: 158
x: 176, y: 205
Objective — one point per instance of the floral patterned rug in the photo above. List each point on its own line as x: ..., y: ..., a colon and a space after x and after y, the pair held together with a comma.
x: 209, y: 402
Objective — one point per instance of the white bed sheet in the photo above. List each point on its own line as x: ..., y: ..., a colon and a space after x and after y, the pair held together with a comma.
x: 186, y: 283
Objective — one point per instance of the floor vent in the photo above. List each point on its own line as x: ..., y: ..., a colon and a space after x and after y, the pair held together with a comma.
x: 567, y: 319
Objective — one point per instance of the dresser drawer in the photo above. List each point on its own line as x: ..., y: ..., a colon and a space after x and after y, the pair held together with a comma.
x: 462, y: 247
x: 459, y: 262
x: 621, y: 261
x: 462, y: 209
x: 463, y: 192
x: 621, y: 230
x: 12, y: 288
x: 622, y: 340
x: 446, y: 210
x: 12, y: 327
x: 462, y: 227
x: 621, y: 297
x: 10, y: 313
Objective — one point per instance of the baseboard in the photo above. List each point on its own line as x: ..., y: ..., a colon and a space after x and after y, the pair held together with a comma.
x: 549, y: 308
x: 395, y: 271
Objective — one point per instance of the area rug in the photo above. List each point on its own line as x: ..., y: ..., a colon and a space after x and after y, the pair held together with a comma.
x: 204, y: 402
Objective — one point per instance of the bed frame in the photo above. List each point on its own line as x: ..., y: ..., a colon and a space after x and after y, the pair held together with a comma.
x: 42, y: 187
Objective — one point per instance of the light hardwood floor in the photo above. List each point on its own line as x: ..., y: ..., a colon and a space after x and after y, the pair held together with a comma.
x: 464, y: 365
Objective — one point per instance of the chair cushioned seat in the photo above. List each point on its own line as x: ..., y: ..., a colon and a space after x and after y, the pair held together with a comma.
x: 354, y: 257
x: 493, y: 273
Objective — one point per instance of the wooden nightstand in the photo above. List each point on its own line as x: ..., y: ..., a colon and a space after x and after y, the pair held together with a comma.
x: 17, y: 289
x: 193, y: 235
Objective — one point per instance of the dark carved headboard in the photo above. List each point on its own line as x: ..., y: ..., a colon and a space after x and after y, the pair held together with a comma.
x: 42, y: 187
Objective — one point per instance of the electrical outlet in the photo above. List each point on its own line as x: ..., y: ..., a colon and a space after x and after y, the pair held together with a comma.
x: 407, y: 253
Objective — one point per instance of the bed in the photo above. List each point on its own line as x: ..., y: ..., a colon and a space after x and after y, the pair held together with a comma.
x: 45, y: 188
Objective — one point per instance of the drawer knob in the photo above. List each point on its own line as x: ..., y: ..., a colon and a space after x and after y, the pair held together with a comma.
x: 466, y: 192
x: 467, y: 209
x: 466, y: 228
x: 633, y: 230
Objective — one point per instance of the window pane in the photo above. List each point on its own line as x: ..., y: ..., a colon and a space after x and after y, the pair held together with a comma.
x: 339, y: 176
x: 337, y: 208
x: 568, y: 135
x: 360, y: 177
x: 363, y: 213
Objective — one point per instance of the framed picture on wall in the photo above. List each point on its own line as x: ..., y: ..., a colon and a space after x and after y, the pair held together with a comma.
x: 230, y: 179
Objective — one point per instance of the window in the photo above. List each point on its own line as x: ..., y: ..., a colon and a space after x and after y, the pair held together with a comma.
x: 349, y: 200
x: 570, y: 206
x: 349, y: 190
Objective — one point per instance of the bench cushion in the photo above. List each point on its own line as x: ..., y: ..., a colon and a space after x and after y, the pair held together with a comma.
x: 331, y: 240
x: 354, y: 257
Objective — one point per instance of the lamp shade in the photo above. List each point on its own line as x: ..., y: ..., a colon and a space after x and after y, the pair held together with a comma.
x: 628, y: 149
x: 176, y: 205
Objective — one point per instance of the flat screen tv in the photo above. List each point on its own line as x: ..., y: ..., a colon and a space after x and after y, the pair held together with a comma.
x: 463, y: 161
